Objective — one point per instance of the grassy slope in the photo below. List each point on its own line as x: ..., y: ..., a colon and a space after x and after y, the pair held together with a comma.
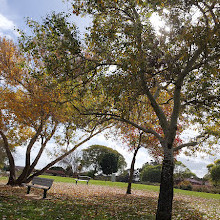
x: 135, y: 186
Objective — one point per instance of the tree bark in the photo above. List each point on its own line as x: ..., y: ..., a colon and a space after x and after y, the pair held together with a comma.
x: 23, y: 176
x: 132, y: 171
x: 12, y: 176
x: 132, y: 166
x: 164, y: 207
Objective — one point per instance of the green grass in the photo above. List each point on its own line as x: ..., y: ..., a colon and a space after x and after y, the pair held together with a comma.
x: 197, y: 194
x: 104, y: 183
x: 3, y: 178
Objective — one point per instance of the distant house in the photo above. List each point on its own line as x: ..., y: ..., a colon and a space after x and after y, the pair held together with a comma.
x: 195, y: 182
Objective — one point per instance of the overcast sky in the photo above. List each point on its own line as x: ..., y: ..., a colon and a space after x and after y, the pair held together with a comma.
x: 12, y: 16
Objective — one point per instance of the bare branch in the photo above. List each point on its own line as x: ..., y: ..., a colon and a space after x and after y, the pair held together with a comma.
x: 198, y: 140
x: 190, y: 144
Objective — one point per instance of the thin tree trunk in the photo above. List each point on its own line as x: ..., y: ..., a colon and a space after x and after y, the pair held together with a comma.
x: 132, y: 166
x: 43, y: 145
x: 164, y: 208
x: 132, y: 171
x: 12, y: 176
x: 23, y: 176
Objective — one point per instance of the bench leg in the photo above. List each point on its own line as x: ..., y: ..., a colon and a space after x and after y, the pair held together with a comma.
x: 45, y: 193
x: 76, y: 182
x: 28, y: 189
x: 87, y: 182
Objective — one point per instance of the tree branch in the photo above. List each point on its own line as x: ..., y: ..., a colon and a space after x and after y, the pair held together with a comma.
x: 64, y: 155
x: 193, y: 143
x: 118, y: 118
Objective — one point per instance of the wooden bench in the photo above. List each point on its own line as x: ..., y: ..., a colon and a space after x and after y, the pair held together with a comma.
x: 83, y: 178
x: 40, y: 183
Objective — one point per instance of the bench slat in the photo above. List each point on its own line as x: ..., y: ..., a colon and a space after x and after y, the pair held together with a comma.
x: 40, y: 183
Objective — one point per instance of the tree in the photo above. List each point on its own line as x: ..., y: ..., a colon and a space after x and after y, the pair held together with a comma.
x: 151, y: 173
x: 136, y: 148
x: 92, y: 157
x: 182, y: 61
x: 72, y: 162
x: 214, y: 170
x: 33, y: 103
x: 134, y: 138
x: 181, y: 171
x: 109, y: 163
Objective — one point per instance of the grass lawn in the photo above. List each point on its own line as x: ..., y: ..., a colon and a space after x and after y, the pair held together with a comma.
x: 135, y: 186
x: 100, y: 200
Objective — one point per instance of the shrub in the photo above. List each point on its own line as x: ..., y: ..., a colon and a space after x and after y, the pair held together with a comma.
x: 185, y: 185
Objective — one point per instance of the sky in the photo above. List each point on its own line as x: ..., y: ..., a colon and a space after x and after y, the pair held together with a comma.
x: 12, y: 17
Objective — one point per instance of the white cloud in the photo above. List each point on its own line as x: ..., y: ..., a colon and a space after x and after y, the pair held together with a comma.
x: 7, y: 27
x: 6, y: 24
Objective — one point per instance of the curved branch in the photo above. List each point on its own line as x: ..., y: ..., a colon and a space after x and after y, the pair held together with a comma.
x: 118, y: 118
x: 62, y: 156
x: 204, y: 136
x: 190, y: 144
x: 43, y: 145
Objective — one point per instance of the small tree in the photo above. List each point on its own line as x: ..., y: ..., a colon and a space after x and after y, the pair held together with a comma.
x: 151, y: 173
x: 214, y: 170
x: 92, y: 157
x: 72, y: 162
x: 109, y: 163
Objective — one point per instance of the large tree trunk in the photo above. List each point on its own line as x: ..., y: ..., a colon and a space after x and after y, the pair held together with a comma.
x: 164, y: 208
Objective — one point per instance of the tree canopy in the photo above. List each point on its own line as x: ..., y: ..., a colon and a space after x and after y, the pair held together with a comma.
x: 151, y: 173
x: 181, y: 60
x: 92, y: 158
x: 128, y: 67
x: 109, y: 163
x: 36, y: 101
x: 214, y: 171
